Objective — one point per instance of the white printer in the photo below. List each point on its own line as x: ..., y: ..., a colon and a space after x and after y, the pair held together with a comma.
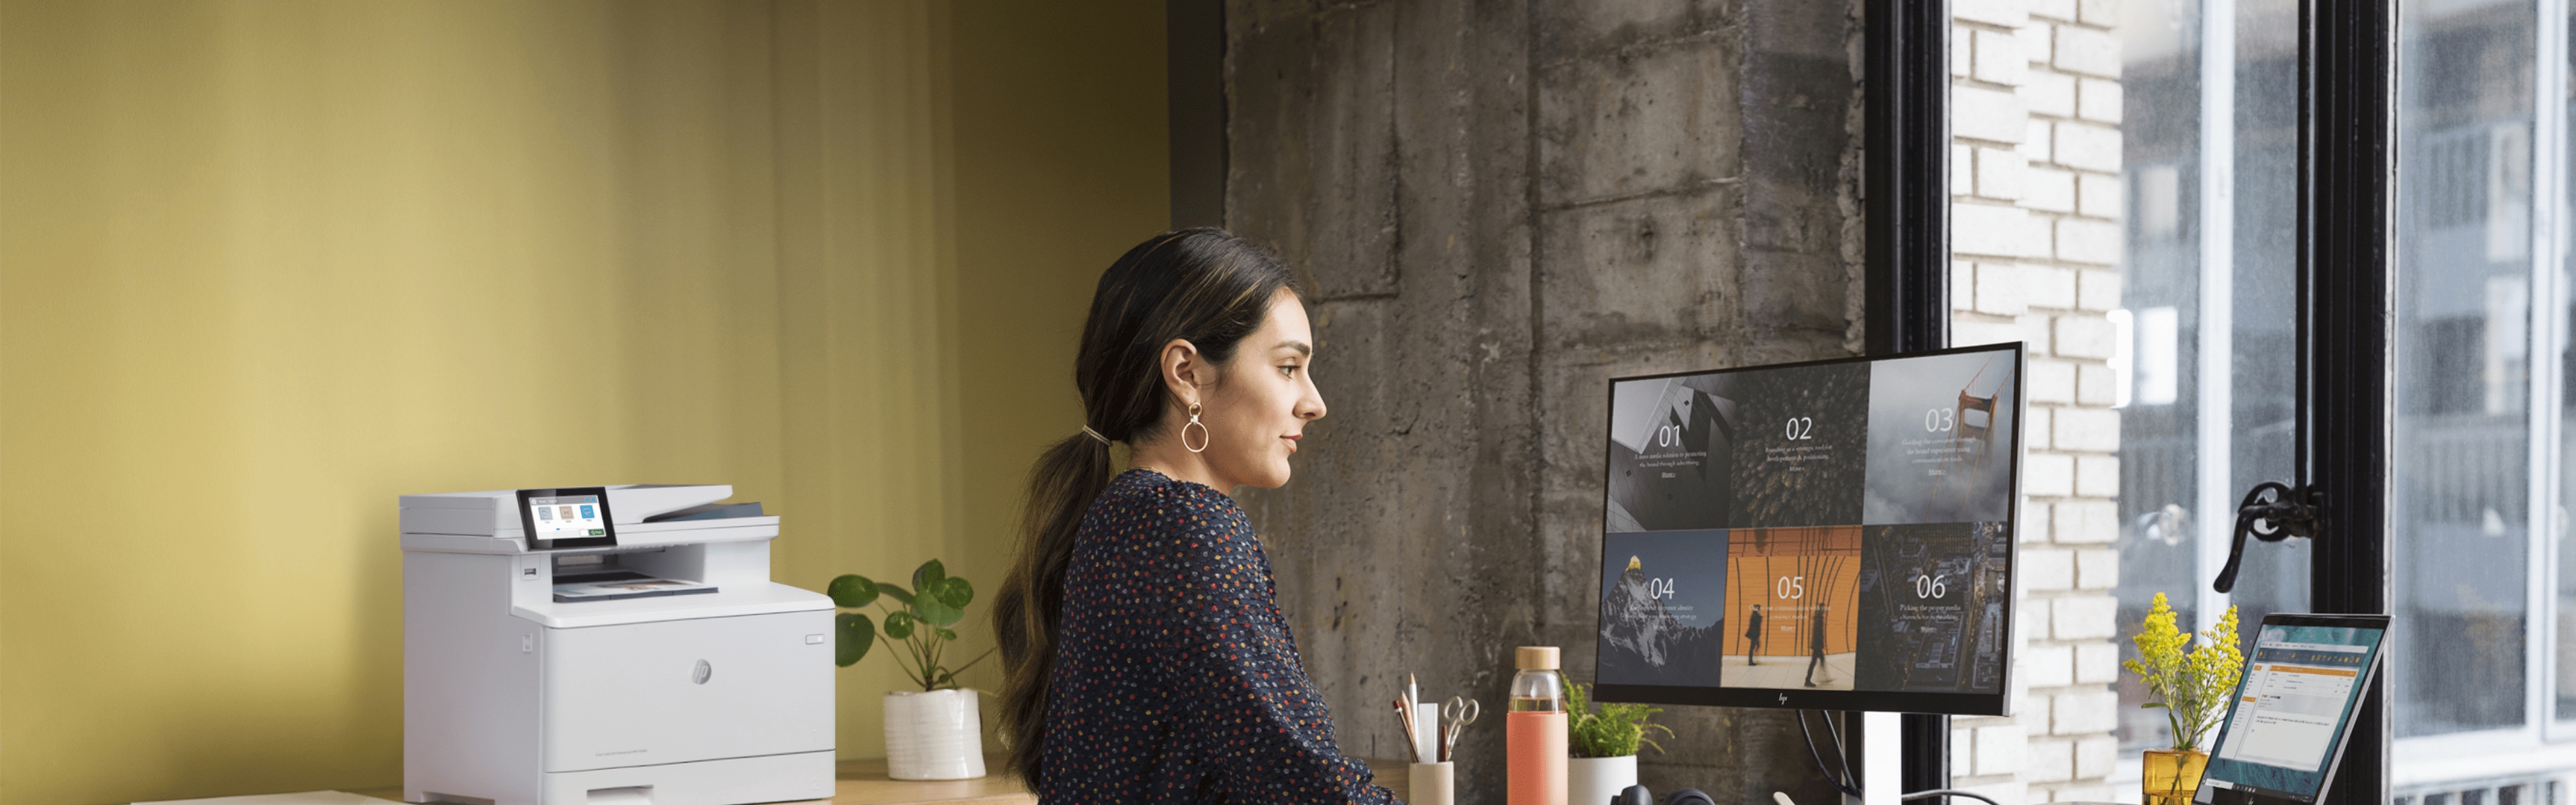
x: 608, y: 644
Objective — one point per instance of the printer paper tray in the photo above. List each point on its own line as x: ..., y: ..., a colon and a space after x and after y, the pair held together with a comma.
x: 730, y: 602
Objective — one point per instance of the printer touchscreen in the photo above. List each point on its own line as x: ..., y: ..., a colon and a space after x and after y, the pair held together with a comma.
x: 566, y: 518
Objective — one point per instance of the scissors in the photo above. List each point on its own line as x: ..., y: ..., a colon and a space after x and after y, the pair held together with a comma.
x: 1455, y: 714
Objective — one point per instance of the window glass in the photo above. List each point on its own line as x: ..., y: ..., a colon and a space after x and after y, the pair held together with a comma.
x: 2209, y: 141
x: 2462, y: 475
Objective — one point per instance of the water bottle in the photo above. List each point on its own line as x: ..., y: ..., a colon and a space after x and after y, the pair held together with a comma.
x: 1534, y: 730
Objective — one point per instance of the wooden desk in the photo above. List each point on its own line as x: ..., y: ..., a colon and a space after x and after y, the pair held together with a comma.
x: 864, y: 782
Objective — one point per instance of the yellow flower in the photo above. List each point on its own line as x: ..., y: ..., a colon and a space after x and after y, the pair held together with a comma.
x: 2193, y: 687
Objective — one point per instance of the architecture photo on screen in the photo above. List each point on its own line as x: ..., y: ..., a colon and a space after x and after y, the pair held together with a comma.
x: 1831, y: 527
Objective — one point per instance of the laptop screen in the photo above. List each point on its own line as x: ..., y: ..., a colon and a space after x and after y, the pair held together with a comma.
x: 2285, y: 728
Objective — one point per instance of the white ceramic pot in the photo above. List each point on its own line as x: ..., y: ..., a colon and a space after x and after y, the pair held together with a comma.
x: 933, y: 736
x: 1597, y: 780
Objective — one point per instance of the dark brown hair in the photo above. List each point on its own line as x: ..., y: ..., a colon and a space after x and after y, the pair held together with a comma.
x: 1202, y: 285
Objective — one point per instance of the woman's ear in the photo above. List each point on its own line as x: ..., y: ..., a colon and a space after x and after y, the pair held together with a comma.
x: 1181, y: 367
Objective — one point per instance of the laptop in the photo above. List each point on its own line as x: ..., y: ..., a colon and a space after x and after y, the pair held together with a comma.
x: 2285, y: 730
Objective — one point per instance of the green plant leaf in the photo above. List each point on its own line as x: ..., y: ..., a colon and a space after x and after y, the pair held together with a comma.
x: 927, y: 577
x: 935, y: 612
x: 898, y: 625
x: 947, y: 633
x: 957, y: 593
x: 896, y: 593
x: 852, y: 590
x: 853, y: 634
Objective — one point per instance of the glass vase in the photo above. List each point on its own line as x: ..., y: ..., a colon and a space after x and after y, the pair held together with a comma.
x: 2173, y: 775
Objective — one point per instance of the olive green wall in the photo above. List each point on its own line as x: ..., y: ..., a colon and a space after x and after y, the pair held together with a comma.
x: 265, y: 265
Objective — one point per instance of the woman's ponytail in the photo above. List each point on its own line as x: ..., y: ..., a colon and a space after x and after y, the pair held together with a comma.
x: 1201, y: 285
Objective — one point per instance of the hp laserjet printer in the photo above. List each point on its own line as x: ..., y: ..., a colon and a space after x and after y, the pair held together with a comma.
x: 618, y: 644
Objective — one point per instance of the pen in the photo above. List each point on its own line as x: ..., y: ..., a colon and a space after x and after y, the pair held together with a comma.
x: 1406, y: 717
x: 1412, y: 702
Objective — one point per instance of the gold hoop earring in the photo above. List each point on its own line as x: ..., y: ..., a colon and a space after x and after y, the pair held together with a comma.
x: 1204, y: 435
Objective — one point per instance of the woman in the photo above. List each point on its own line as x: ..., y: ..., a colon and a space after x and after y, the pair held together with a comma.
x: 1147, y: 659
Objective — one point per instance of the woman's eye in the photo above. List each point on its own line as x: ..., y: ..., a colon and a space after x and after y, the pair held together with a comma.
x: 1289, y: 370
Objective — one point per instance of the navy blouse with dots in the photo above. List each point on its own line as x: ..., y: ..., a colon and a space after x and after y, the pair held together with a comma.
x: 1176, y: 678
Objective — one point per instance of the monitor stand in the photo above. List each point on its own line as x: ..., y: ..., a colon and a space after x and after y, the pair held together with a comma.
x: 1882, y: 759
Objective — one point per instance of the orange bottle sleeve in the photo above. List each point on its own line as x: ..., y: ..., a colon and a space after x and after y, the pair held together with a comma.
x: 1535, y: 754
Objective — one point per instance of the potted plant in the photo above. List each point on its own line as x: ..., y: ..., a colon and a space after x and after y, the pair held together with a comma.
x: 934, y: 733
x: 2192, y: 687
x: 1603, y: 745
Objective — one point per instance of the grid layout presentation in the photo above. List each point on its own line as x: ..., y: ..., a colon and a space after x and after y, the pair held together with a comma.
x: 1836, y: 526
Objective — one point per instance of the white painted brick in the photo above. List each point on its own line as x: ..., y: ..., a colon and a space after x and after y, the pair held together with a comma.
x: 2087, y: 522
x: 2080, y: 336
x: 2048, y: 666
x: 2008, y: 792
x: 1978, y: 113
x: 2097, y: 663
x: 1999, y: 58
x: 2099, y: 101
x: 2000, y: 749
x: 2036, y: 533
x: 2035, y: 145
x: 2060, y: 10
x: 2034, y: 430
x: 1963, y: 285
x: 2035, y: 41
x: 2093, y: 429
x: 2088, y: 617
x: 2084, y: 792
x: 2007, y: 13
x: 2050, y: 286
x: 2032, y: 711
x: 2048, y: 189
x: 2051, y: 382
x: 2048, y: 474
x: 1999, y: 288
x: 2098, y: 757
x: 2048, y: 93
x: 2105, y: 13
x: 1975, y: 333
x: 1963, y: 743
x: 2083, y: 241
x: 2046, y: 570
x: 1963, y: 170
x: 2049, y: 762
x: 2097, y: 569
x: 2100, y: 194
x: 2097, y: 290
x: 1989, y: 229
x: 2088, y: 51
x: 1999, y: 173
x: 2086, y: 711
x: 1961, y: 53
x: 2083, y: 145
x: 2094, y: 384
x: 2097, y: 476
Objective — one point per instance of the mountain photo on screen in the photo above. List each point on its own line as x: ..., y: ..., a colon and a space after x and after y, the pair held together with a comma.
x: 1663, y: 600
x: 1798, y: 445
x: 1941, y: 439
x: 1669, y: 442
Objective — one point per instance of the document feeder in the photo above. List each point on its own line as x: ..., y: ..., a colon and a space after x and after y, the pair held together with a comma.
x: 513, y: 698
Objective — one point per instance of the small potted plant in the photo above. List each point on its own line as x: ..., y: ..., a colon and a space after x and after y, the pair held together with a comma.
x: 2192, y: 687
x: 1603, y: 745
x: 934, y: 733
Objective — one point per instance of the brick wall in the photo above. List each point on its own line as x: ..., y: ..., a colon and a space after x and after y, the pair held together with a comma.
x: 2036, y: 238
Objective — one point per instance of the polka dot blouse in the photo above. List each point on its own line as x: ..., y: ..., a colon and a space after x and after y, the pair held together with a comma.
x: 1176, y: 678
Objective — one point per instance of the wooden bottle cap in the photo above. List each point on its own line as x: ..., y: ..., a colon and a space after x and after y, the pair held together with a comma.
x: 1535, y: 658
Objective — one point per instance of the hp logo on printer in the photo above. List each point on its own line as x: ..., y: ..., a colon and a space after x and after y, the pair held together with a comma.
x: 700, y: 673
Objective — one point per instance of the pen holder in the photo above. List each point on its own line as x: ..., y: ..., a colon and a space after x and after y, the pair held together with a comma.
x: 1431, y: 784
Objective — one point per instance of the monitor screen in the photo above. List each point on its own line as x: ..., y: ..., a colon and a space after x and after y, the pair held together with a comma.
x: 566, y: 518
x: 1830, y: 535
x: 2285, y: 728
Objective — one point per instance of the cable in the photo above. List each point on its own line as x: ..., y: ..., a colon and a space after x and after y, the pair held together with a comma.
x: 1946, y: 792
x: 1819, y: 757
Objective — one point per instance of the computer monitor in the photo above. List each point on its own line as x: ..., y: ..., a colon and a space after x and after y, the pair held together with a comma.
x: 1832, y: 535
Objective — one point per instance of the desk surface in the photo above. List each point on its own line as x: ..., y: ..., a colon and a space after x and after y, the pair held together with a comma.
x: 864, y: 782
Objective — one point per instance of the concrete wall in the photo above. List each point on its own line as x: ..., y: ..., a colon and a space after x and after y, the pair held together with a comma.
x: 1497, y: 206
